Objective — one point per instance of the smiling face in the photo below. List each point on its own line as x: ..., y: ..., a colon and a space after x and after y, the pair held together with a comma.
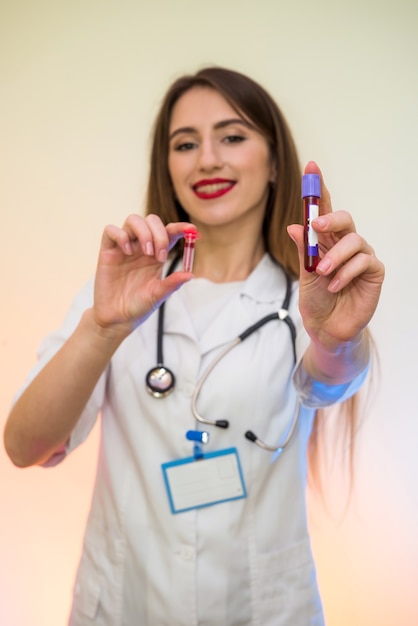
x: 219, y: 163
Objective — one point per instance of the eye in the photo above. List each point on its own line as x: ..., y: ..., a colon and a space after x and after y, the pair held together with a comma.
x: 186, y: 145
x: 234, y: 139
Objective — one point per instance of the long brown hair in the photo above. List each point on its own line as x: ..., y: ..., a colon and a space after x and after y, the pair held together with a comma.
x: 252, y: 101
x: 284, y: 205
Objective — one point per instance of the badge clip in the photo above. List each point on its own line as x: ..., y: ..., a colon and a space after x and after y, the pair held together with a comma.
x: 199, y: 437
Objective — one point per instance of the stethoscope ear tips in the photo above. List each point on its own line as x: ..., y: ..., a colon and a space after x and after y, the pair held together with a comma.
x: 222, y: 423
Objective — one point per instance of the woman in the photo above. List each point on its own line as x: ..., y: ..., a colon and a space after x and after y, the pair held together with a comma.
x: 181, y: 532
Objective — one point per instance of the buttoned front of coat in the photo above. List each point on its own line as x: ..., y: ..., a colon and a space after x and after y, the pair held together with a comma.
x: 239, y: 563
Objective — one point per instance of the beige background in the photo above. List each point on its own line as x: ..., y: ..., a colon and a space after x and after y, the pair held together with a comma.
x: 80, y: 83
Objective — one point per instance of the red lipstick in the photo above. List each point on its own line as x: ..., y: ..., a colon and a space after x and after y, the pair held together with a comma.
x: 206, y: 189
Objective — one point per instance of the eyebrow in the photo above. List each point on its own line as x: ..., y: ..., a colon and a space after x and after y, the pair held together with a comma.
x: 217, y: 126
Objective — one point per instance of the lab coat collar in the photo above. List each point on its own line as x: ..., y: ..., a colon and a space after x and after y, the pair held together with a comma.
x: 266, y: 284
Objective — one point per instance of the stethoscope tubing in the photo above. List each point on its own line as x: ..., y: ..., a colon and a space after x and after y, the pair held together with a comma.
x: 282, y: 315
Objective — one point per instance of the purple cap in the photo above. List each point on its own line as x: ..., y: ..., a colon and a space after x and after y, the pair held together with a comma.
x: 311, y: 185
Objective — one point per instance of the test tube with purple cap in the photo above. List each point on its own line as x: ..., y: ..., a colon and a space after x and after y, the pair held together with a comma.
x: 311, y: 193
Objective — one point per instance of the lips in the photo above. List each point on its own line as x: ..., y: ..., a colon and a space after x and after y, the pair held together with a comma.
x: 212, y: 188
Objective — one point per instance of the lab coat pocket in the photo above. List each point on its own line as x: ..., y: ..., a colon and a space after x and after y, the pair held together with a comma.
x: 97, y: 591
x: 86, y: 598
x: 286, y: 588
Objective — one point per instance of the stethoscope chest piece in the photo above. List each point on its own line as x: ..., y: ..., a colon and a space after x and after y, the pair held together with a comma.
x: 160, y: 381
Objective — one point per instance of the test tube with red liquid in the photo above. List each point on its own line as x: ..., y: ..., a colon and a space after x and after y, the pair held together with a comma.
x: 311, y: 193
x: 191, y: 235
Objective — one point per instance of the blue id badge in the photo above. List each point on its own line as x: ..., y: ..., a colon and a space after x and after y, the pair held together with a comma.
x: 212, y: 478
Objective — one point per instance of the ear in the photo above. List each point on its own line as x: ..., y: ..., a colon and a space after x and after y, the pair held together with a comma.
x: 273, y: 172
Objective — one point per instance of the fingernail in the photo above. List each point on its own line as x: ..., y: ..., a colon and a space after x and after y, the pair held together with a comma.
x: 324, y: 266
x: 320, y: 221
x: 162, y: 256
x: 149, y: 248
x: 334, y: 285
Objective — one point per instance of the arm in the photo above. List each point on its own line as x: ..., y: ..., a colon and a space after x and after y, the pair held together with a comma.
x: 338, y: 300
x: 128, y: 287
x: 339, y: 365
x: 45, y: 414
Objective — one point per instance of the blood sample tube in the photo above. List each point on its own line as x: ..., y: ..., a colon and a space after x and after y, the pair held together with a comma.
x: 311, y: 193
x: 190, y: 237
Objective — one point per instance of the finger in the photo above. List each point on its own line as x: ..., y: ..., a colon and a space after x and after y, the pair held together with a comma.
x: 159, y: 237
x: 170, y: 284
x: 149, y: 233
x: 154, y: 237
x: 139, y: 234
x: 113, y: 236
x: 338, y: 223
x: 342, y: 252
x: 361, y: 265
x: 166, y: 236
x: 295, y: 232
x: 176, y: 230
x: 325, y: 205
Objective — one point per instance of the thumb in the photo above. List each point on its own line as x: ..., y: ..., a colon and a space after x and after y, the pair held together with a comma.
x: 295, y: 232
x: 174, y: 281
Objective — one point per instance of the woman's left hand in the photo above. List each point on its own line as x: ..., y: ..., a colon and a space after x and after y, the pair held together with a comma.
x: 337, y: 300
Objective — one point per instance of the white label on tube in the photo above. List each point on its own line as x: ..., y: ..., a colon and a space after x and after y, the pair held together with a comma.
x: 312, y: 234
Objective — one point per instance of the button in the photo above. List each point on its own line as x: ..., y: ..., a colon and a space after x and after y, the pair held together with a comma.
x: 187, y: 553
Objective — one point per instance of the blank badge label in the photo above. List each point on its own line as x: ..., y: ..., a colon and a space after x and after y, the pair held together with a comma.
x: 193, y: 483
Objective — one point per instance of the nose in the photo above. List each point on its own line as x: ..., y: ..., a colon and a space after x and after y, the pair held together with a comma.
x: 209, y: 156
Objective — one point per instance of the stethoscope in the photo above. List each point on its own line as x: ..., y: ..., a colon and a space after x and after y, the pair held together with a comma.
x: 160, y: 380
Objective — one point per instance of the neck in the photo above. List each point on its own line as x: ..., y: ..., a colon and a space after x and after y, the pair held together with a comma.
x: 227, y: 260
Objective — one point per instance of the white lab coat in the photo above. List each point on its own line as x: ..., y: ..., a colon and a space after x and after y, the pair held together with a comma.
x: 239, y: 563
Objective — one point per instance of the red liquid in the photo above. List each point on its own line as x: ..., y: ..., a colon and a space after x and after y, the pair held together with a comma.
x: 191, y: 235
x: 188, y: 255
x: 310, y: 239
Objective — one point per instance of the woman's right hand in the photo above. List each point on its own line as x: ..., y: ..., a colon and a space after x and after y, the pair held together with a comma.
x: 129, y: 284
